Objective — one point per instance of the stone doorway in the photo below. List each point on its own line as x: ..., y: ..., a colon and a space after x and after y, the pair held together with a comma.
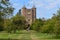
x: 28, y: 27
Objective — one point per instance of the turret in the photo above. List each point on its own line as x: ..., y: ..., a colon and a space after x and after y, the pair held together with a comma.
x: 34, y: 13
x: 24, y: 7
x: 23, y: 11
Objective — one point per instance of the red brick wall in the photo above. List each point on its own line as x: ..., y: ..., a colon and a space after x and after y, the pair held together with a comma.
x: 29, y: 14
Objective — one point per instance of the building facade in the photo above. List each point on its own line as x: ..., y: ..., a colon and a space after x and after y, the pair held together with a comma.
x: 29, y: 14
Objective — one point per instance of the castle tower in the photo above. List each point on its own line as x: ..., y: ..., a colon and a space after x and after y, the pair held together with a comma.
x: 33, y: 13
x: 29, y: 14
x: 23, y: 11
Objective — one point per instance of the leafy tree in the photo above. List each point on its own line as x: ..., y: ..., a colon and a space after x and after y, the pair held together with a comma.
x: 5, y: 11
x: 5, y: 8
x: 57, y: 24
x: 37, y: 24
x: 8, y: 25
x: 19, y: 21
x: 49, y: 25
x: 52, y: 25
x: 57, y: 28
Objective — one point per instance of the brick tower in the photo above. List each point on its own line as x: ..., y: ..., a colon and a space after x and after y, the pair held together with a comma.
x: 29, y: 14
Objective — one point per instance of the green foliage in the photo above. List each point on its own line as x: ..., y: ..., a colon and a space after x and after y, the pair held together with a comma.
x: 5, y: 2
x: 57, y: 28
x: 5, y: 11
x: 19, y: 21
x: 15, y: 23
x: 57, y: 24
x: 48, y: 26
x: 52, y: 25
x: 8, y: 25
x: 37, y: 25
x: 5, y: 8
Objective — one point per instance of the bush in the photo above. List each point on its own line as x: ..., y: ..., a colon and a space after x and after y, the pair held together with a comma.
x: 37, y: 25
x: 48, y: 26
x: 57, y: 28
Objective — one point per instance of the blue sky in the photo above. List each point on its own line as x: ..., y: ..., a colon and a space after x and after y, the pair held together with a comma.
x: 45, y: 8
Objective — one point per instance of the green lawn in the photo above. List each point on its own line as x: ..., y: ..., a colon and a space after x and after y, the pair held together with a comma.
x: 27, y: 35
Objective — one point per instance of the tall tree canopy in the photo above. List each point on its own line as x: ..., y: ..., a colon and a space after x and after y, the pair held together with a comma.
x: 5, y: 11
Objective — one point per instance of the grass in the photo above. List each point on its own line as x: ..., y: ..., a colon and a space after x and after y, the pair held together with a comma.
x: 46, y: 36
x: 26, y: 35
x: 7, y: 35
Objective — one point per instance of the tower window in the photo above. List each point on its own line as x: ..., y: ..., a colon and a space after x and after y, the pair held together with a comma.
x: 28, y: 11
x: 28, y: 19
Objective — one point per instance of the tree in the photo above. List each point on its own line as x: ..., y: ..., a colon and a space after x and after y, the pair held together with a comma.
x: 18, y: 21
x: 57, y: 24
x: 57, y: 28
x: 52, y: 25
x: 49, y: 25
x: 37, y: 24
x: 5, y: 8
x: 5, y: 11
x: 8, y: 25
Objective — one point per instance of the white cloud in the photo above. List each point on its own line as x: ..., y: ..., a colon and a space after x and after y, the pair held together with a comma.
x: 51, y: 3
x: 37, y: 3
x: 16, y: 5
